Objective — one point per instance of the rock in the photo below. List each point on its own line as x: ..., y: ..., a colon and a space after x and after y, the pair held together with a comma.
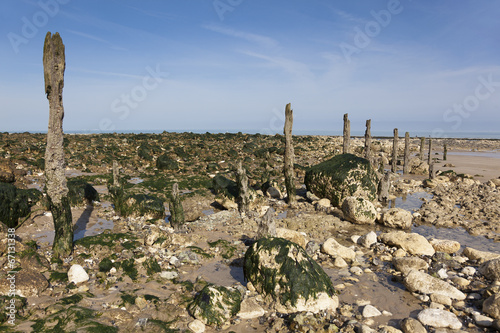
x: 141, y: 302
x: 169, y: 275
x: 406, y: 264
x: 410, y: 242
x: 371, y: 311
x: 397, y: 218
x: 418, y: 167
x: 6, y: 171
x: 214, y: 305
x: 77, y: 274
x: 491, y: 269
x: 439, y: 318
x: 388, y: 329
x: 311, y: 197
x: 339, y: 262
x: 423, y: 283
x: 481, y: 256
x: 342, y: 176
x: 359, y: 210
x: 165, y: 162
x: 16, y: 203
x: 445, y: 245
x: 292, y: 236
x: 283, y: 271
x: 273, y: 192
x: 496, y: 181
x: 324, y: 203
x: 491, y: 306
x: 469, y: 271
x: 196, y: 326
x: 411, y: 325
x: 441, y: 299
x: 28, y: 282
x: 367, y: 240
x: 334, y: 249
x: 227, y: 203
x: 267, y: 225
x: 250, y: 309
x: 482, y: 320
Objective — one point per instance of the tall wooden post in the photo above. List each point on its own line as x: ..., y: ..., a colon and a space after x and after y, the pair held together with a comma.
x: 116, y: 174
x: 422, y: 146
x: 54, y: 65
x: 289, y: 156
x: 406, y: 157
x: 242, y: 182
x: 429, y: 157
x: 368, y: 139
x: 445, y: 152
x: 394, y: 166
x: 176, y: 210
x: 347, y: 134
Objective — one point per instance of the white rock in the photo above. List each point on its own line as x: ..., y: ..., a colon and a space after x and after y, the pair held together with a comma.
x: 371, y: 311
x: 249, y: 309
x: 442, y: 273
x: 77, y: 274
x: 196, y: 326
x: 482, y: 320
x: 469, y: 271
x: 368, y: 240
x: 340, y: 262
x: 421, y: 282
x: 169, y: 275
x: 333, y: 248
x: 356, y: 270
x: 397, y: 218
x: 439, y: 318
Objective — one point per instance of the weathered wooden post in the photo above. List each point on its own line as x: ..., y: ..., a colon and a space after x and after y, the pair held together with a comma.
x: 242, y: 182
x: 445, y: 152
x: 176, y: 210
x: 429, y: 157
x: 368, y: 139
x: 394, y: 166
x: 54, y: 65
x: 267, y: 225
x: 383, y: 188
x: 289, y: 156
x: 432, y: 172
x: 347, y: 134
x: 406, y: 157
x: 116, y: 174
x: 422, y: 146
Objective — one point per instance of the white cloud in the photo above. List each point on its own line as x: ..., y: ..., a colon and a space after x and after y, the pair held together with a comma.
x: 251, y: 37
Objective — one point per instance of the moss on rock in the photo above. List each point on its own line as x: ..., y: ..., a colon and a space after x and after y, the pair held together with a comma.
x: 16, y: 203
x: 342, y: 176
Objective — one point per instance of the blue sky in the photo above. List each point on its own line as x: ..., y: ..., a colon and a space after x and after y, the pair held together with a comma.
x: 233, y: 65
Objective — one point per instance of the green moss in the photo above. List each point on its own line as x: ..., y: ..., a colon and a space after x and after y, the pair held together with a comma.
x: 226, y: 247
x: 136, y: 204
x: 151, y: 266
x: 81, y: 192
x: 105, y: 265
x: 200, y: 251
x: 129, y: 268
x: 304, y: 278
x: 225, y: 186
x: 165, y: 325
x: 164, y: 162
x: 127, y: 298
x: 152, y: 298
x: 104, y: 239
x: 58, y: 276
x: 76, y: 298
x: 16, y: 203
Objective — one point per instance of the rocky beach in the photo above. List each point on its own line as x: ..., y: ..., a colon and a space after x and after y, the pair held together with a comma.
x: 426, y: 258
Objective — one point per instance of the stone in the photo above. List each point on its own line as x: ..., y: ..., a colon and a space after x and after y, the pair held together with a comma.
x: 16, y: 203
x: 370, y: 311
x: 250, y: 309
x: 397, y: 218
x: 77, y: 274
x: 469, y: 271
x: 169, y: 275
x: 418, y: 167
x: 491, y: 306
x: 441, y: 299
x: 28, y: 282
x: 411, y: 325
x: 367, y: 240
x: 141, y: 302
x: 165, y: 162
x: 423, y: 283
x: 491, y: 269
x: 482, y: 320
x: 342, y: 176
x: 406, y: 264
x: 267, y: 225
x: 6, y: 171
x: 439, y: 318
x: 292, y: 236
x: 283, y: 271
x: 274, y: 192
x: 339, y: 262
x: 334, y: 249
x: 196, y: 326
x: 445, y: 245
x: 410, y: 242
x: 359, y: 210
x: 481, y: 256
x: 215, y: 305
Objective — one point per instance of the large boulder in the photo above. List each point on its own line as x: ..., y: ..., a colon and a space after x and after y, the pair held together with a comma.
x: 342, y: 176
x: 491, y: 306
x: 421, y: 282
x: 16, y: 203
x: 410, y: 242
x: 165, y: 162
x: 214, y: 305
x: 397, y: 218
x: 491, y: 269
x: 418, y: 167
x: 6, y: 171
x: 136, y: 205
x: 359, y: 210
x: 284, y: 272
x: 439, y: 318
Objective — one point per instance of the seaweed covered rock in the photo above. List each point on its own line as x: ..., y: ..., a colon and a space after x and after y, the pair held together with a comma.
x: 224, y: 186
x: 6, y: 171
x: 16, y: 203
x: 342, y: 176
x: 283, y: 271
x: 81, y: 192
x: 359, y: 210
x: 149, y: 206
x: 165, y: 162
x: 214, y: 305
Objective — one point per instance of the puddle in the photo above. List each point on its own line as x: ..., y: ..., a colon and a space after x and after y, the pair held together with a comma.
x: 411, y: 202
x: 218, y: 273
x: 94, y: 229
x: 208, y: 212
x: 135, y: 180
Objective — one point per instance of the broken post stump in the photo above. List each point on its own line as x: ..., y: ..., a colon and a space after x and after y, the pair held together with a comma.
x: 54, y: 64
x: 289, y: 156
x: 368, y: 139
x: 176, y: 210
x: 116, y: 174
x: 266, y: 224
x: 445, y: 152
x: 422, y: 146
x: 347, y: 134
x: 243, y: 199
x: 394, y: 162
x: 406, y: 157
x: 429, y: 157
x: 383, y: 188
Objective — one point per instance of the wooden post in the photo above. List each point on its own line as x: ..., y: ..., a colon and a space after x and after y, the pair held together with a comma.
x: 394, y: 166
x: 176, y: 210
x: 406, y: 157
x: 347, y: 134
x: 429, y: 157
x: 54, y: 65
x: 383, y: 188
x: 368, y: 139
x: 422, y: 146
x: 445, y: 152
x: 432, y: 172
x: 289, y: 156
x: 242, y: 182
x: 116, y: 174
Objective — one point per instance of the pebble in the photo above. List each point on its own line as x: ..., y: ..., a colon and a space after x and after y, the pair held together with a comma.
x: 371, y: 311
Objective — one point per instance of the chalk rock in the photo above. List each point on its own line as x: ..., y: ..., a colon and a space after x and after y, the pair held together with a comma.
x: 359, y: 210
x: 445, y: 245
x: 481, y: 256
x: 196, y: 326
x: 367, y: 240
x: 77, y: 274
x: 491, y: 269
x: 439, y: 318
x: 397, y: 218
x: 371, y: 311
x: 411, y: 325
x: 423, y: 283
x: 249, y: 309
x: 491, y: 306
x: 406, y: 264
x: 334, y: 249
x: 410, y: 242
x: 292, y: 236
